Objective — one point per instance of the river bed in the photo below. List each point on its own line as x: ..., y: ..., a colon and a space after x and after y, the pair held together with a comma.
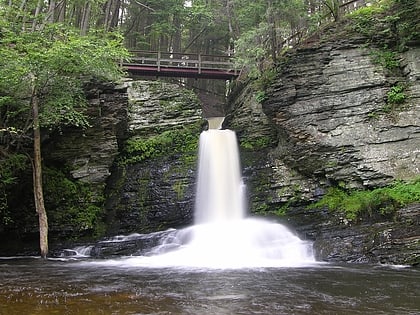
x: 84, y: 286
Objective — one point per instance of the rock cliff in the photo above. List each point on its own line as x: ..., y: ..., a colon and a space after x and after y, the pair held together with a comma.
x: 325, y: 121
x: 152, y: 183
x: 329, y: 101
x: 328, y: 106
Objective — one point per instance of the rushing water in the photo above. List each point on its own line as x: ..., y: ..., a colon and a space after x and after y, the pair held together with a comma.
x: 223, y: 236
x: 33, y: 286
x: 225, y: 263
x: 220, y: 190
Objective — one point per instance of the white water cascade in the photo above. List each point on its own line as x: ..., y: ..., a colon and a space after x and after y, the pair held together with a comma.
x: 222, y: 236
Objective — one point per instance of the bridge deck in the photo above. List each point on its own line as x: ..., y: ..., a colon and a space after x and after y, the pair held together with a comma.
x: 153, y: 63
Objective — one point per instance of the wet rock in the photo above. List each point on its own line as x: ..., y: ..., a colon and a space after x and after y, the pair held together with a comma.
x: 155, y: 192
x: 88, y: 154
x: 327, y: 111
x: 396, y: 242
x: 131, y: 245
x: 333, y: 126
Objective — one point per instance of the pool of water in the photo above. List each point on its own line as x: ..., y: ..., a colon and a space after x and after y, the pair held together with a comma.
x: 84, y: 286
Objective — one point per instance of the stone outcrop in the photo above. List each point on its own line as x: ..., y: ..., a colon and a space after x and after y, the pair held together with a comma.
x: 325, y: 121
x: 390, y: 242
x: 76, y: 165
x: 328, y: 108
x: 138, y: 196
x: 89, y: 153
x: 160, y: 105
x: 103, y: 187
x: 394, y: 240
x: 158, y: 192
x: 329, y: 103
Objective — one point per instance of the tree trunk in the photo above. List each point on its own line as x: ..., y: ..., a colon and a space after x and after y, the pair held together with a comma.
x: 61, y: 11
x: 115, y: 15
x: 272, y: 30
x: 84, y: 27
x: 36, y: 15
x: 51, y: 12
x: 106, y: 16
x: 37, y: 178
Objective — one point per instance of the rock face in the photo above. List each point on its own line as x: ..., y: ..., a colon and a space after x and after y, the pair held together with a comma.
x: 152, y: 187
x: 325, y: 122
x: 328, y: 108
x: 76, y: 165
x: 90, y: 153
x: 390, y: 242
x: 132, y: 170
x: 329, y: 102
x: 152, y: 184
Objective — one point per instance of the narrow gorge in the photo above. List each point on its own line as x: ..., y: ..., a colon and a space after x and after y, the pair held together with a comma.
x: 322, y: 120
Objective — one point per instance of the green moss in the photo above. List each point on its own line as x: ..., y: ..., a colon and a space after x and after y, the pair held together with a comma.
x: 282, y: 211
x: 362, y: 203
x: 261, y: 209
x: 10, y: 166
x: 72, y: 204
x: 179, y: 188
x: 261, y: 96
x: 170, y: 142
x: 255, y: 143
x: 296, y: 191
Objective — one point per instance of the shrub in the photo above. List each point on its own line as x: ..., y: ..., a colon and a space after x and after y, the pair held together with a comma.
x: 386, y: 58
x: 367, y: 203
x: 138, y: 148
x: 396, y: 95
x: 71, y: 203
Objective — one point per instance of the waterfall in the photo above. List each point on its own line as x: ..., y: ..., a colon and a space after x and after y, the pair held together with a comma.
x: 220, y: 191
x: 222, y: 235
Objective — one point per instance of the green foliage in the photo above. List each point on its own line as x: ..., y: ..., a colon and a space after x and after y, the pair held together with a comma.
x: 170, y: 142
x: 388, y: 21
x: 361, y: 203
x: 260, y: 96
x: 10, y: 166
x: 386, y: 58
x: 365, y: 19
x: 52, y: 64
x: 255, y: 143
x: 71, y: 204
x: 282, y: 211
x: 250, y: 50
x: 263, y: 82
x: 396, y: 95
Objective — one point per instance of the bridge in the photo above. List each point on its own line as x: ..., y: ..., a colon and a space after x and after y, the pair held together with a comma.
x: 185, y: 65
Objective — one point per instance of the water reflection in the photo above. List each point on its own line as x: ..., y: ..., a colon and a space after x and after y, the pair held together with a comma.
x: 31, y: 286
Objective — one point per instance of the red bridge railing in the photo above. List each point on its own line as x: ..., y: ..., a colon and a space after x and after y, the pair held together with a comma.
x: 194, y: 65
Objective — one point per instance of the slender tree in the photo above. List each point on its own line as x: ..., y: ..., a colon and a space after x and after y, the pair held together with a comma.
x: 37, y: 170
x: 47, y: 69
